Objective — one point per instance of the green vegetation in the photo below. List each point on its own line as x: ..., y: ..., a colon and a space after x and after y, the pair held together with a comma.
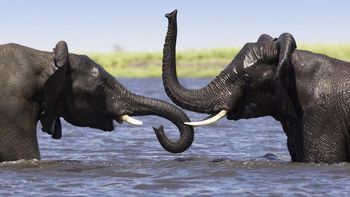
x: 191, y: 63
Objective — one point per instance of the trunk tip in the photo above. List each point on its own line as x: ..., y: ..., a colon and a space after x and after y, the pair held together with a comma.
x: 171, y: 14
x: 159, y: 130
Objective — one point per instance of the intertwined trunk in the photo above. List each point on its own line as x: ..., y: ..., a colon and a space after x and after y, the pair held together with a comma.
x: 124, y: 102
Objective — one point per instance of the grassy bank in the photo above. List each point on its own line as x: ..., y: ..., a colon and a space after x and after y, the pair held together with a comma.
x: 191, y: 63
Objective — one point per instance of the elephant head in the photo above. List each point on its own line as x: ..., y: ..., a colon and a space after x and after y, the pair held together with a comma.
x: 256, y: 83
x: 84, y: 94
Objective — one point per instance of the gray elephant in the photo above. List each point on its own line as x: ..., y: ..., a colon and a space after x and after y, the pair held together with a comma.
x: 37, y: 85
x: 308, y: 93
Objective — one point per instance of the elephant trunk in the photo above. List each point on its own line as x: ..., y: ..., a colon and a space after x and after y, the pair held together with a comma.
x: 147, y: 106
x: 204, y: 100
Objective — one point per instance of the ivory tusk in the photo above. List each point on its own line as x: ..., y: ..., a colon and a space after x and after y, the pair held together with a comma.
x: 131, y: 120
x: 208, y: 121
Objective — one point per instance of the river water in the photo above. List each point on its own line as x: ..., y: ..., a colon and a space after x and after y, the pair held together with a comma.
x: 230, y: 158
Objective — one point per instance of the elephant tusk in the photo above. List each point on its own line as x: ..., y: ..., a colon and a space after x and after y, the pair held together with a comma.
x: 131, y: 120
x: 208, y: 121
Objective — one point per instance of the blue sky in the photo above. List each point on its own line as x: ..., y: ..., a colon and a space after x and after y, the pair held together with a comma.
x: 141, y: 25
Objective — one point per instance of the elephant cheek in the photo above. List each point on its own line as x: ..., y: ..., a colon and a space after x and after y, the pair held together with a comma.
x: 242, y: 112
x: 250, y: 108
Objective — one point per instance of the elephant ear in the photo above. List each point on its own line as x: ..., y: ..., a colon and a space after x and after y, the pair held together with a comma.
x: 285, y: 74
x: 54, y: 90
x: 286, y: 45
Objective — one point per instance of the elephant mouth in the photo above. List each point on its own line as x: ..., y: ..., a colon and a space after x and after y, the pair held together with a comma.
x: 233, y: 116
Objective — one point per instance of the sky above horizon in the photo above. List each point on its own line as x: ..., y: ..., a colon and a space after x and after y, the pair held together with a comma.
x: 141, y: 26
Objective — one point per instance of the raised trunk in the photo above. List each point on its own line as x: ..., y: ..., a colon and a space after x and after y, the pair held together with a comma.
x: 204, y: 100
x: 147, y: 106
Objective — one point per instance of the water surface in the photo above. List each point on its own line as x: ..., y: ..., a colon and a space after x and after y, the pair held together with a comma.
x: 230, y: 158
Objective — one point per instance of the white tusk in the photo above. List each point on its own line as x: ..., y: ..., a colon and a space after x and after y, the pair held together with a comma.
x: 131, y: 120
x: 208, y: 121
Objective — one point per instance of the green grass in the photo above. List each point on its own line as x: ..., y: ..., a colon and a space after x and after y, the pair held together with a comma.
x: 191, y: 63
x: 333, y: 50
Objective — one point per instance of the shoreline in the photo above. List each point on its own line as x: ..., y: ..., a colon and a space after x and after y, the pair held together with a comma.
x: 199, y: 63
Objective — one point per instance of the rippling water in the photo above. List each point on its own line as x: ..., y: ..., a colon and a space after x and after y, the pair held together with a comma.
x: 241, y: 158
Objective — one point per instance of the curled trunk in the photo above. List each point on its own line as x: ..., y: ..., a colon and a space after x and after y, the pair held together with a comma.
x: 204, y: 100
x: 148, y: 106
x: 123, y: 102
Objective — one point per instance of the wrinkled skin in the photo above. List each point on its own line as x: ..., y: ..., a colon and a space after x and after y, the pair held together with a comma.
x: 307, y: 92
x: 37, y: 85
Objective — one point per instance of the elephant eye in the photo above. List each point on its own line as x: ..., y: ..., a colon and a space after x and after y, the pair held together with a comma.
x: 246, y: 77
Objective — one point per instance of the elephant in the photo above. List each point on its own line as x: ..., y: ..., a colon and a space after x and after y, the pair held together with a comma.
x: 46, y: 86
x: 308, y: 93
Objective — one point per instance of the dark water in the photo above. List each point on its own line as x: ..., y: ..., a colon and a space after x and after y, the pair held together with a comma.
x: 242, y: 158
